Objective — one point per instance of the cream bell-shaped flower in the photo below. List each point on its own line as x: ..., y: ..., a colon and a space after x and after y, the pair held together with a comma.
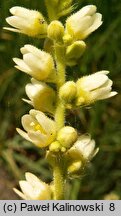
x: 42, y: 97
x: 94, y: 87
x: 40, y: 129
x: 36, y: 63
x: 83, y: 149
x: 82, y: 23
x: 33, y: 188
x: 29, y: 22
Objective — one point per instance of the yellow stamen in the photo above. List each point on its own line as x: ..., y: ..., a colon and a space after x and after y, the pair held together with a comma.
x: 39, y: 128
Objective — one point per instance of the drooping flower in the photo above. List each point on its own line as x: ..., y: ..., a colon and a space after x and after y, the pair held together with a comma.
x: 40, y: 129
x: 80, y: 154
x: 83, y: 149
x: 94, y: 87
x: 42, y: 97
x: 29, y: 22
x: 82, y: 23
x: 36, y: 63
x: 33, y: 188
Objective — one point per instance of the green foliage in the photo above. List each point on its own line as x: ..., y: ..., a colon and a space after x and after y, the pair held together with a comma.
x: 102, y: 120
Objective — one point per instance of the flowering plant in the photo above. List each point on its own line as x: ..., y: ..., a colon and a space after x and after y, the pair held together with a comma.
x: 50, y: 94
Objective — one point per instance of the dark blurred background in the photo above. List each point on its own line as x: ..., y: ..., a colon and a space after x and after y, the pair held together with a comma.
x: 102, y: 120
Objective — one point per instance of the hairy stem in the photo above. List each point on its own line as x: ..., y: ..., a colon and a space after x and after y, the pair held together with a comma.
x: 58, y: 169
x: 60, y: 64
x: 59, y: 179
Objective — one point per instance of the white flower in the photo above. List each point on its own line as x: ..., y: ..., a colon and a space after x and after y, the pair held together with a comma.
x: 94, y: 87
x: 36, y: 63
x: 83, y: 149
x: 33, y: 188
x: 41, y: 96
x: 40, y: 129
x: 83, y: 22
x: 30, y: 22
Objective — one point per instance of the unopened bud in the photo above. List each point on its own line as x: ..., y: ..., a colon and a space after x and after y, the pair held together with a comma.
x: 75, y: 167
x: 75, y: 50
x: 67, y: 136
x: 55, y: 30
x: 55, y: 146
x: 68, y: 92
x: 67, y: 39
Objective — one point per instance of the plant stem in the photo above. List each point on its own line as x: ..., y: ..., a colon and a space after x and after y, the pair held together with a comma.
x: 59, y: 180
x: 52, y: 14
x: 58, y: 168
x: 60, y: 64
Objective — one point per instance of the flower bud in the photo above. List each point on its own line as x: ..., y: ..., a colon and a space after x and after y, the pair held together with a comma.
x: 67, y: 39
x: 75, y: 50
x: 55, y: 146
x: 55, y: 30
x: 68, y: 91
x: 29, y: 22
x: 33, y: 188
x: 74, y: 167
x: 67, y: 136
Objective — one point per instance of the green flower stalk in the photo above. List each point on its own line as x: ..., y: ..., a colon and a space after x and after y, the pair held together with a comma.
x: 50, y: 93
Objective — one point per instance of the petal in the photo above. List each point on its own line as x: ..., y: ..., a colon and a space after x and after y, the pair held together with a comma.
x: 24, y: 12
x: 17, y: 22
x: 91, y: 82
x: 27, y: 101
x: 33, y: 62
x: 33, y: 180
x: 19, y: 193
x: 38, y: 139
x: 20, y: 11
x: 26, y: 188
x: 96, y: 24
x: 47, y: 124
x: 21, y: 65
x: 31, y: 49
x: 85, y: 11
x: 23, y: 134
x: 103, y: 72
x: 88, y: 10
x: 12, y: 29
x: 108, y: 95
x: 28, y: 122
x: 31, y: 90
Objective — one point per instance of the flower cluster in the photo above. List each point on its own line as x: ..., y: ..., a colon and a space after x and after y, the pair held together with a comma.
x: 50, y: 95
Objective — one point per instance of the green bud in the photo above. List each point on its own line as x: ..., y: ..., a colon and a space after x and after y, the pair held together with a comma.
x: 67, y: 136
x: 55, y: 30
x: 75, y: 50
